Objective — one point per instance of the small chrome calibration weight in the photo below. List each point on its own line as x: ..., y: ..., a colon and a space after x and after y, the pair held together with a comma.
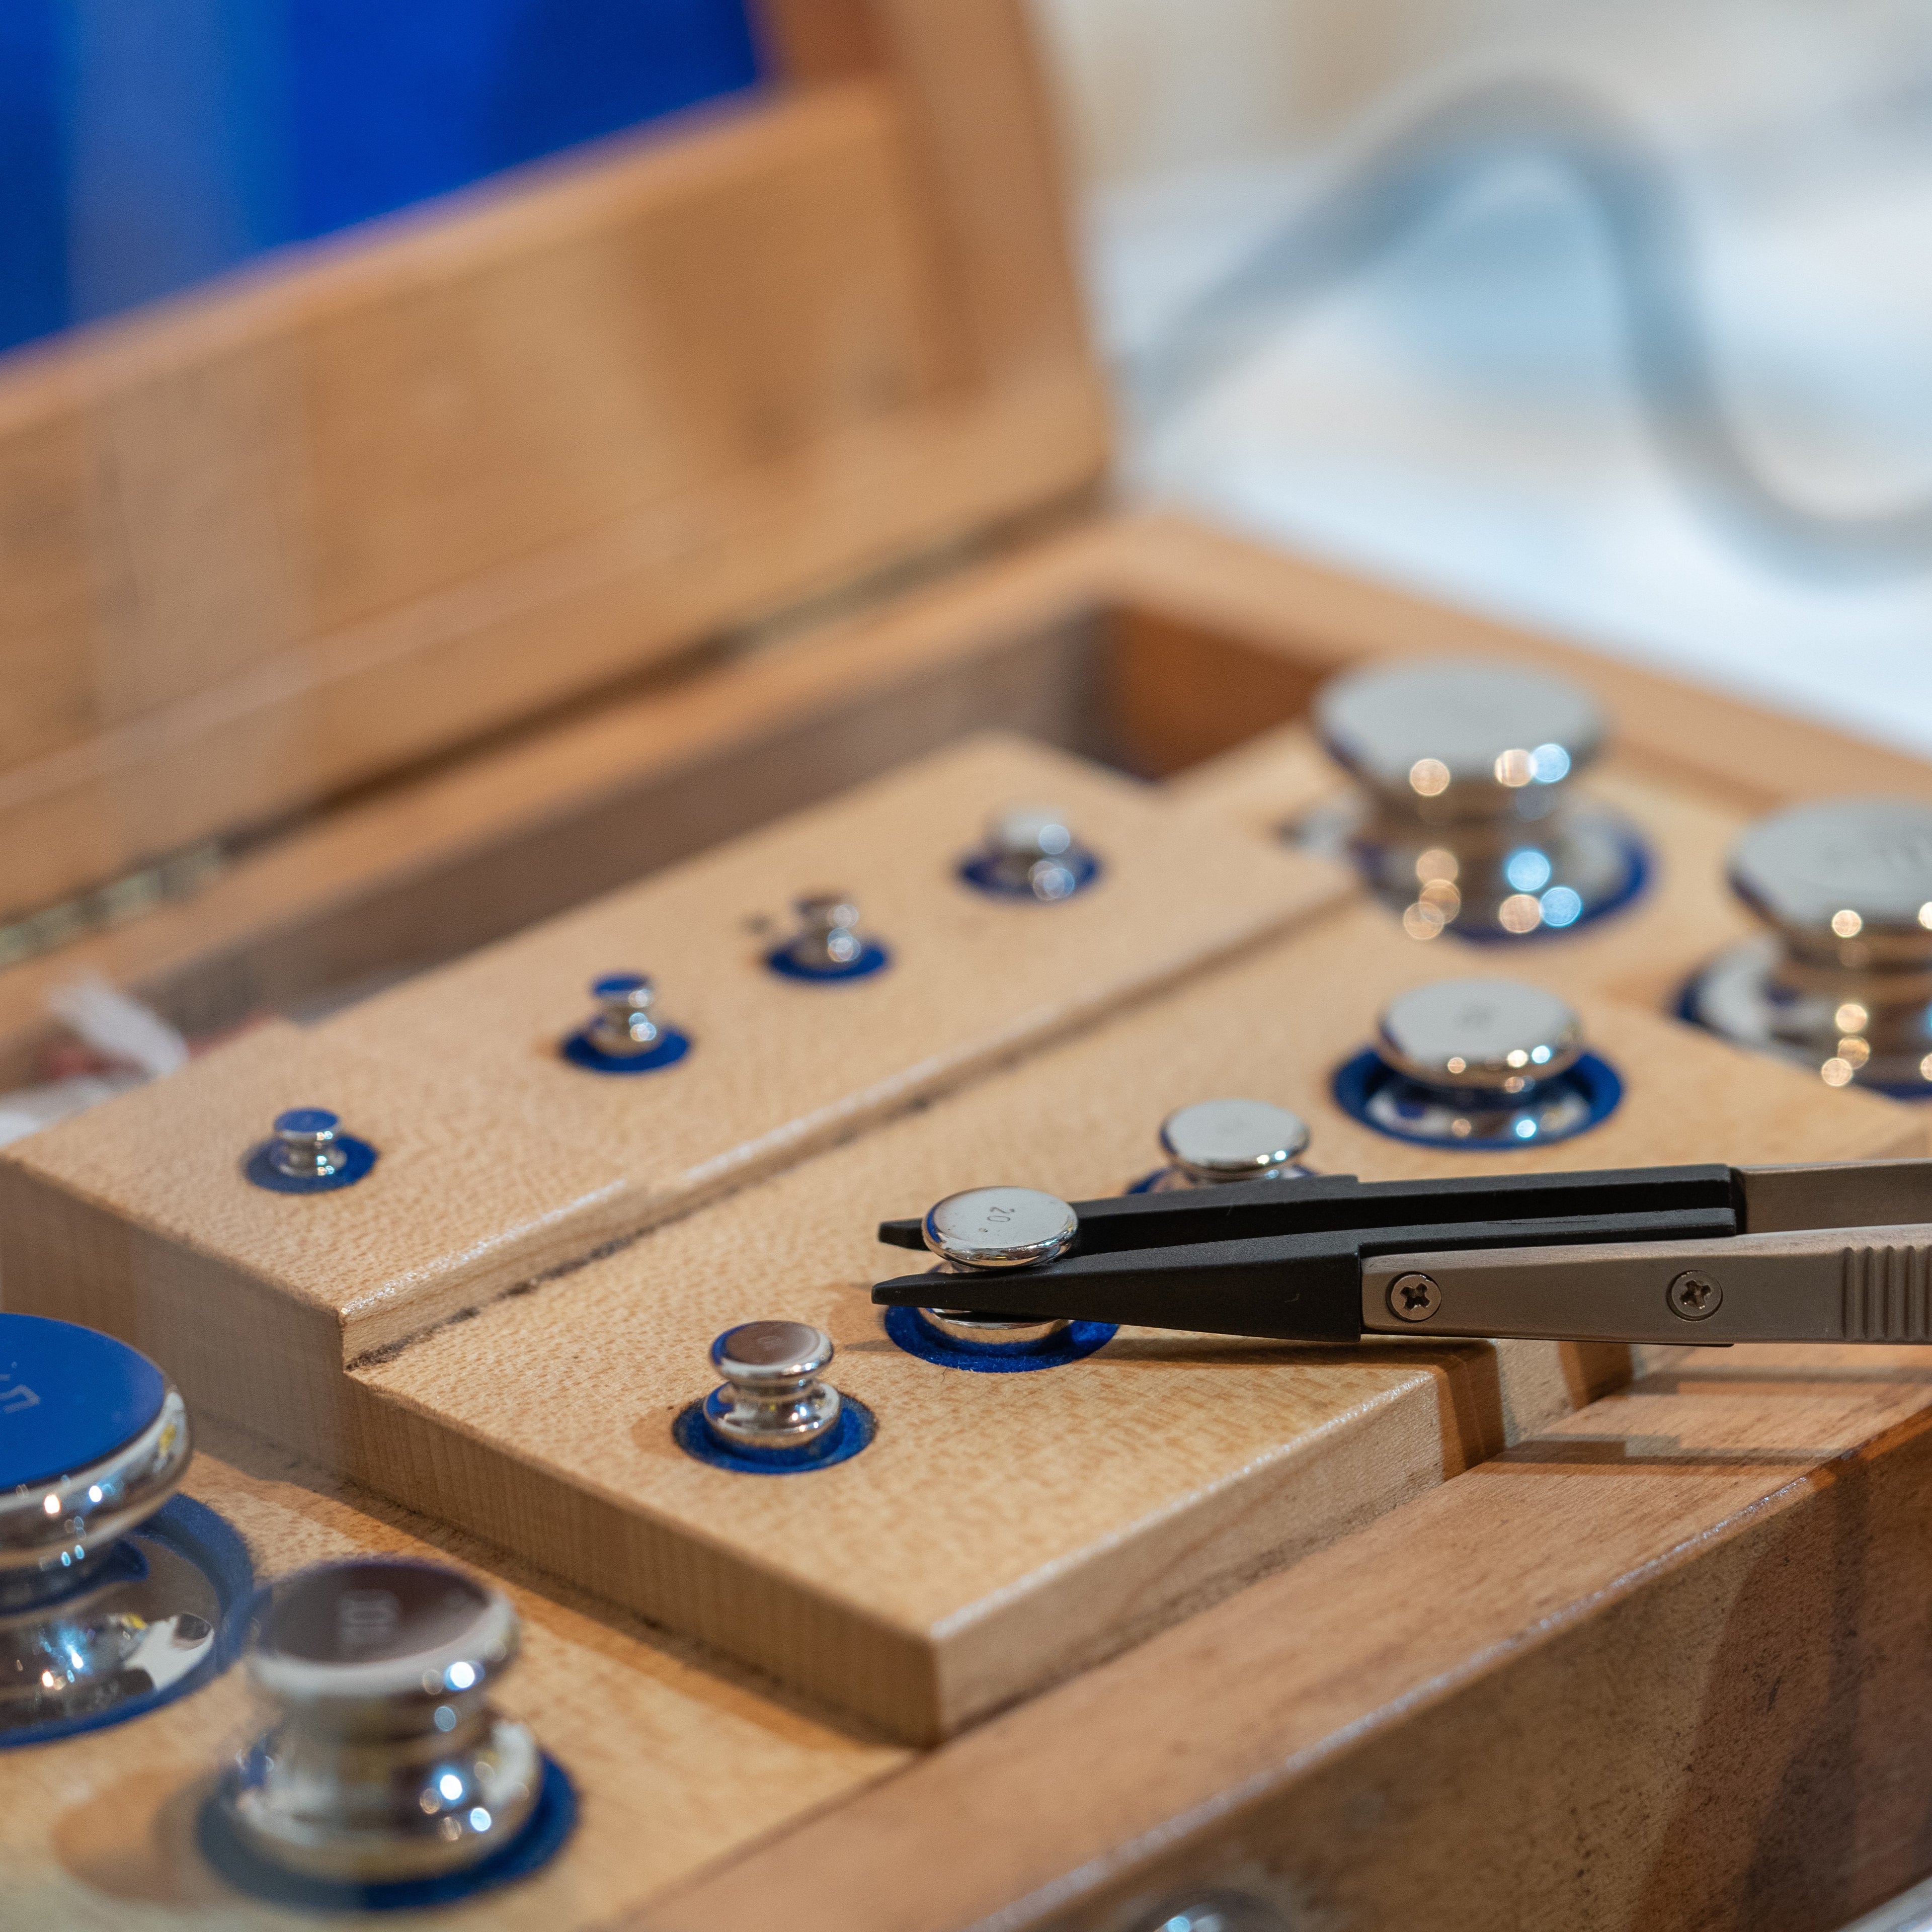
x: 1842, y: 983
x: 1031, y: 853
x: 984, y: 1234
x: 774, y: 1411
x: 1486, y: 1064
x: 626, y: 1035
x: 1213, y: 1142
x: 828, y: 947
x: 993, y: 1228
x: 386, y: 1763
x: 309, y: 1154
x: 1466, y: 821
x: 104, y: 1610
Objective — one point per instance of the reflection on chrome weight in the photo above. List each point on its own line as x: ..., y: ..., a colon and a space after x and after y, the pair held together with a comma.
x: 1479, y: 1063
x: 387, y: 1761
x: 1465, y: 821
x: 1214, y: 1142
x: 93, y: 1441
x: 1842, y: 982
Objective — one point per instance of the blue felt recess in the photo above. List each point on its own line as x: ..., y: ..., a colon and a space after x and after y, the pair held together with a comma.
x: 261, y: 1169
x: 580, y: 1052
x: 1358, y: 1080
x: 68, y: 1396
x: 872, y: 958
x: 857, y: 1426
x: 194, y: 1531
x: 982, y: 874
x: 1075, y: 1341
x: 550, y: 1824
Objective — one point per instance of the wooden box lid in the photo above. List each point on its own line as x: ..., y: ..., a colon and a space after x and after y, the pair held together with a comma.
x: 389, y: 494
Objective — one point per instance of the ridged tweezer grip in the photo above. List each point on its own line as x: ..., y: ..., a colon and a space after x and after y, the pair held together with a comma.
x: 1884, y: 1290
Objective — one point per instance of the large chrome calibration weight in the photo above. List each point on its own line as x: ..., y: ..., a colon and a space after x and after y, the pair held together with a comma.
x: 1466, y: 821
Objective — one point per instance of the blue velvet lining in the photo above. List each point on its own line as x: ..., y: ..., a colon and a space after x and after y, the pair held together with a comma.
x: 856, y: 1427
x: 982, y: 872
x: 872, y: 958
x: 1074, y: 1343
x: 578, y: 1050
x: 1357, y: 1081
x: 264, y: 1173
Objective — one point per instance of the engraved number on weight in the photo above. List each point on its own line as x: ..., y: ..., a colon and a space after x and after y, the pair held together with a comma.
x: 17, y: 1399
x: 366, y: 1619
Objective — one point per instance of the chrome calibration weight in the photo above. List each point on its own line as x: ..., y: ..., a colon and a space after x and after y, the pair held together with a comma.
x: 828, y: 946
x: 774, y: 1413
x: 1031, y: 853
x: 1213, y: 1142
x: 1466, y: 822
x: 1490, y: 1063
x: 386, y: 1763
x: 993, y: 1228
x: 1843, y: 981
x: 98, y: 1619
x: 627, y: 1034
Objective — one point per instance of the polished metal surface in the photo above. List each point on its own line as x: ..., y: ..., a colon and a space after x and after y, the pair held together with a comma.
x: 830, y: 938
x: 1835, y: 1194
x: 624, y: 1026
x: 1466, y: 819
x: 771, y: 1399
x: 954, y: 1327
x: 1214, y: 1141
x: 306, y: 1146
x: 1496, y: 1035
x: 1000, y: 1228
x: 387, y: 1761
x: 1480, y: 1060
x: 1031, y: 848
x: 1843, y: 983
x: 85, y: 1624
x: 1848, y: 879
x: 1865, y: 1285
x: 1462, y: 738
x: 50, y: 1529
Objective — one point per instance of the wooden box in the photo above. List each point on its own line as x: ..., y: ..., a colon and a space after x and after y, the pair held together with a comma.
x: 529, y: 548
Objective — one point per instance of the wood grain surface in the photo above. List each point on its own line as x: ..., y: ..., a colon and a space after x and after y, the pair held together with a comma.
x: 1083, y: 1505
x: 678, y: 1763
x: 500, y: 1161
x: 542, y: 1419
x: 390, y: 492
x: 1664, y: 1666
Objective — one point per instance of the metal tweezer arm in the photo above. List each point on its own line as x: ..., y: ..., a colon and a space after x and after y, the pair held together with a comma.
x: 1706, y: 1254
x: 1813, y: 1284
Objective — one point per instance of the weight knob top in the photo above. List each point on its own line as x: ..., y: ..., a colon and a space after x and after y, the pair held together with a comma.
x: 1216, y: 1140
x: 1496, y: 1033
x: 1460, y: 739
x: 1848, y: 880
x: 1000, y: 1228
x: 94, y: 1438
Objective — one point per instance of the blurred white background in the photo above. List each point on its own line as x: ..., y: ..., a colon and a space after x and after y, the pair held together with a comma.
x: 1460, y: 417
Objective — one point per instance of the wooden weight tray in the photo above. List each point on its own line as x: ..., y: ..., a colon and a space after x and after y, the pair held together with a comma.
x: 473, y: 612
x: 678, y: 1763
